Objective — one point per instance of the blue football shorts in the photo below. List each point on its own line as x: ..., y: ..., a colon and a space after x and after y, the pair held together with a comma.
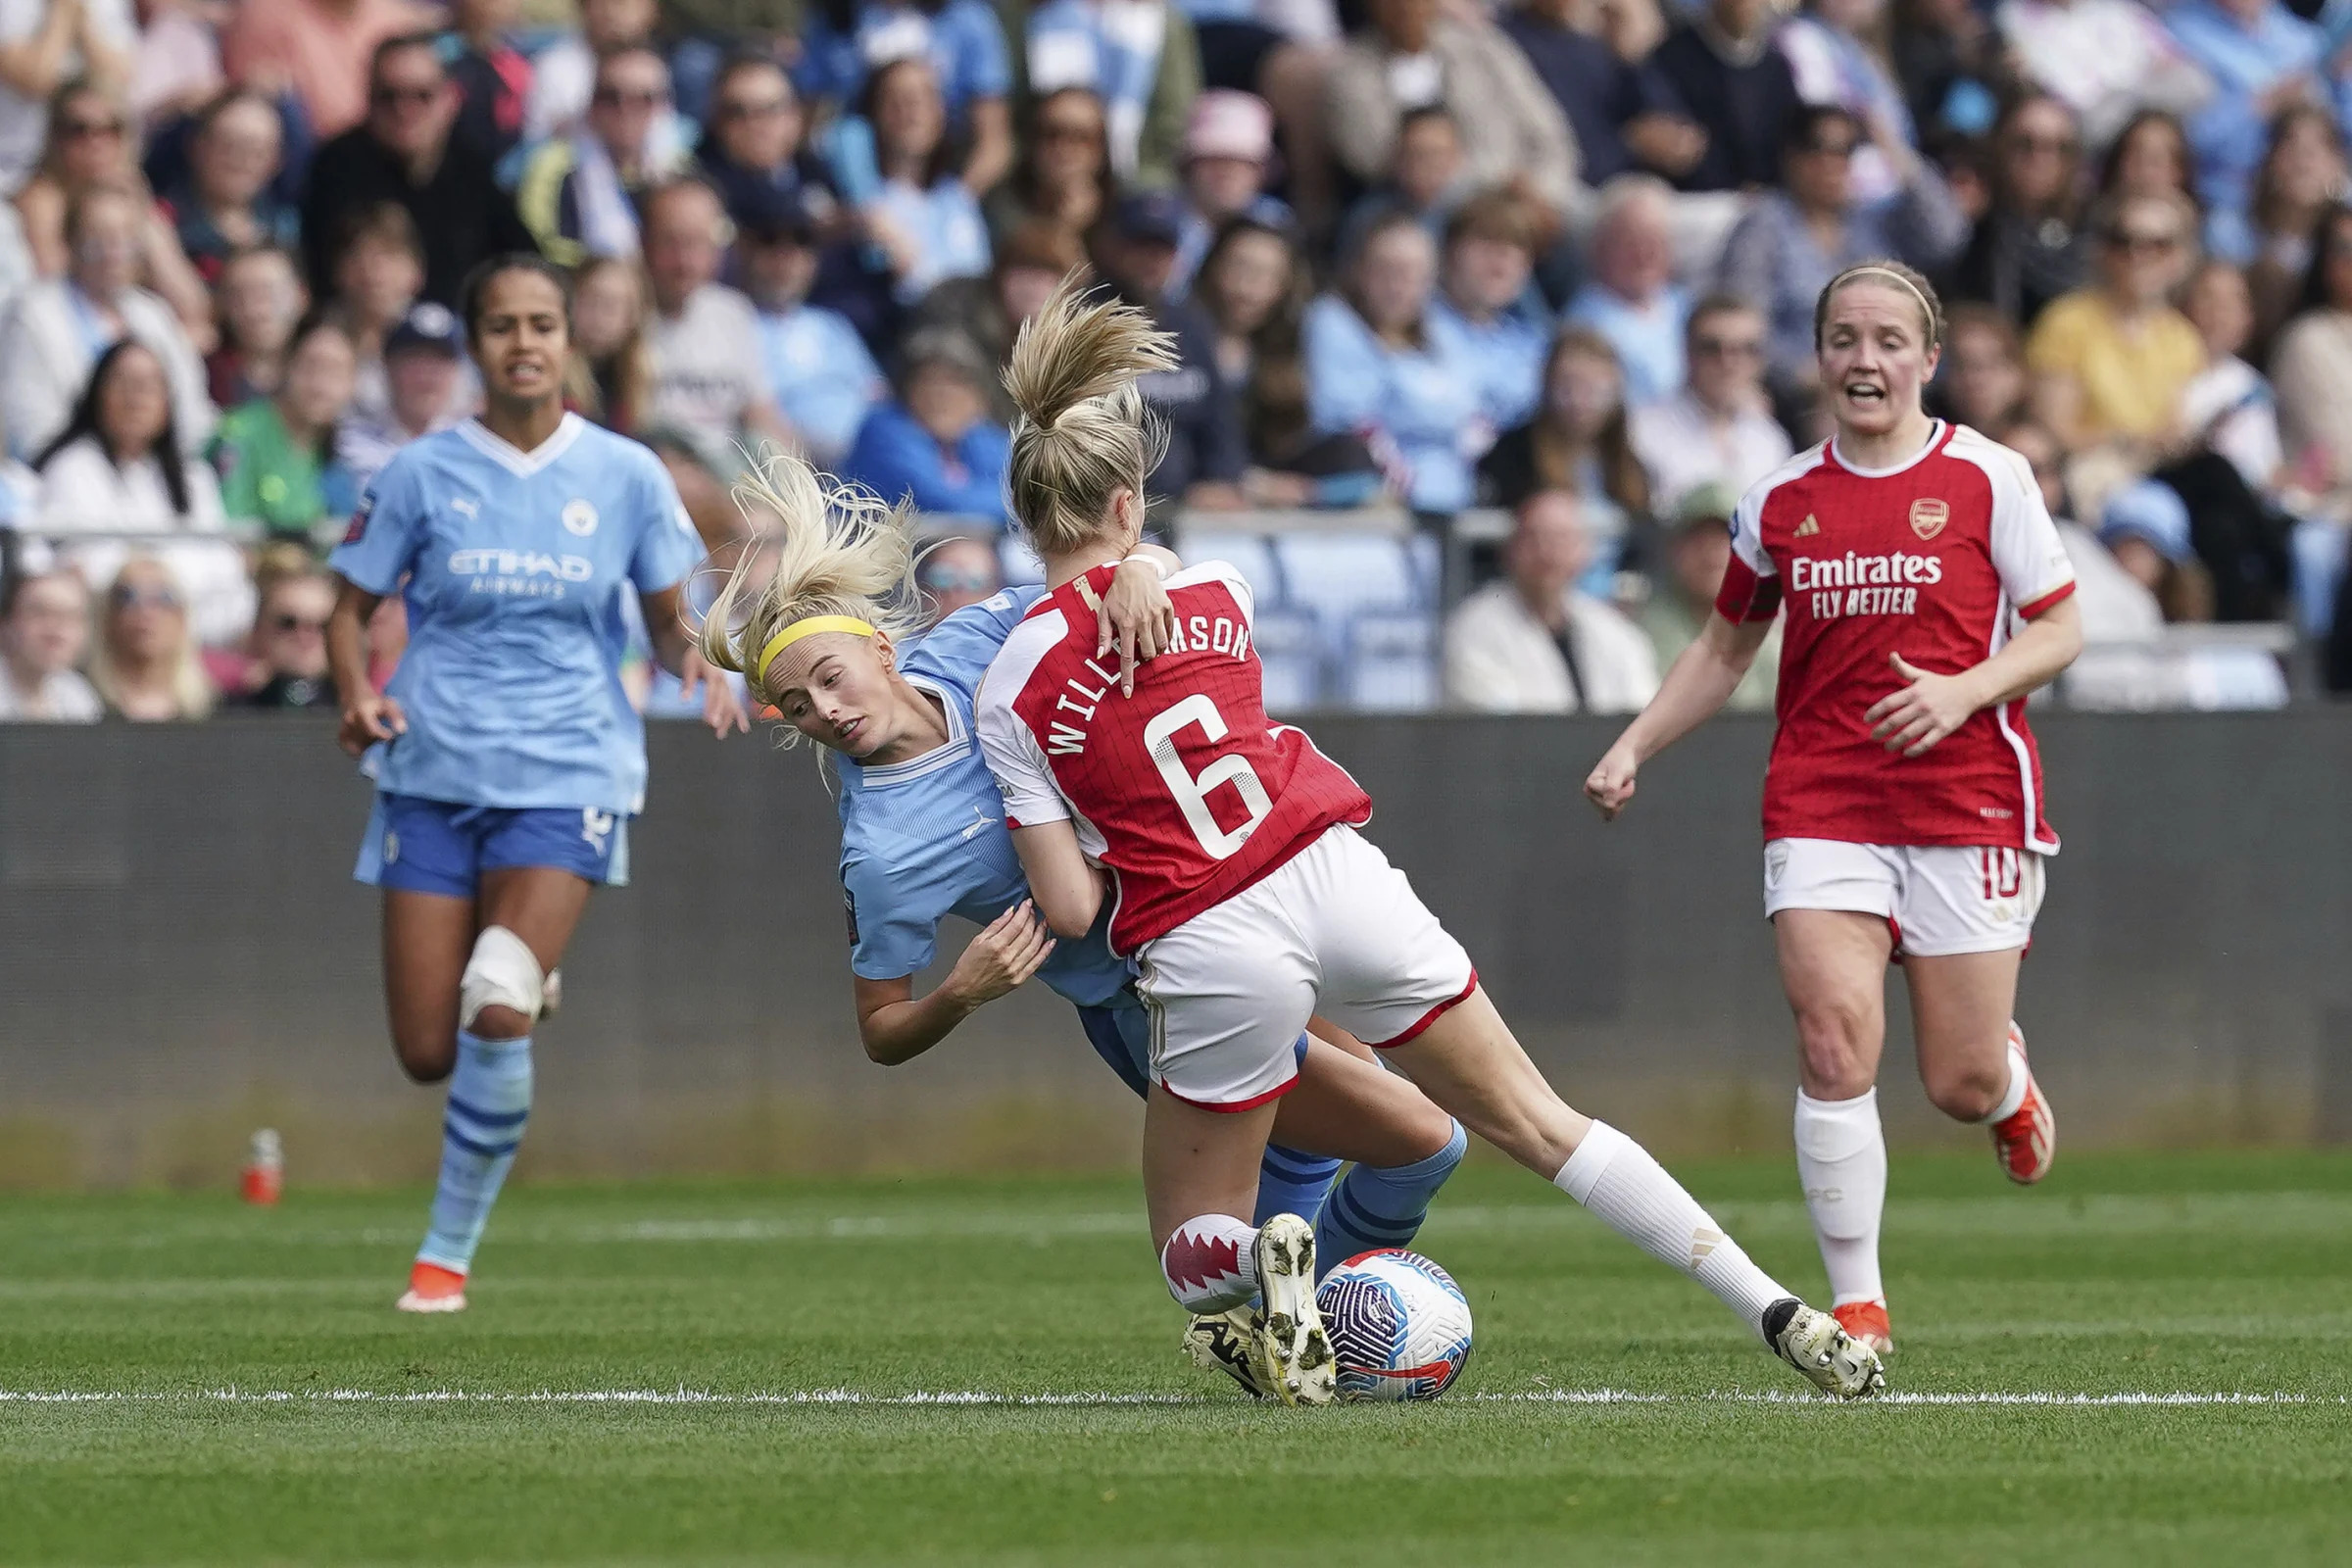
x: 421, y: 846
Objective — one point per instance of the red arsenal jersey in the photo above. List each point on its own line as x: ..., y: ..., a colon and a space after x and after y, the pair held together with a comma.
x: 1184, y: 789
x: 1932, y: 560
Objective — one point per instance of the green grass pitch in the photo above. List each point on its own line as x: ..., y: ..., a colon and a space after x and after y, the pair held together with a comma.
x: 272, y: 1407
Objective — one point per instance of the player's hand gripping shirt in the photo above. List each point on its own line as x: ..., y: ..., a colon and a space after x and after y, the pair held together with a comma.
x: 1931, y: 561
x: 516, y: 564
x: 1184, y: 789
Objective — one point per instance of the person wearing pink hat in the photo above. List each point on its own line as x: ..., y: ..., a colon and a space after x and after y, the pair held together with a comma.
x: 1228, y: 160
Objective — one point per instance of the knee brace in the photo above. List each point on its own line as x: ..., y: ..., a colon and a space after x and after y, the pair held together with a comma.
x: 500, y: 973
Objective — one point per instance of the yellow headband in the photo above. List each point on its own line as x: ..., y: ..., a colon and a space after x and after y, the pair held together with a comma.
x: 808, y: 628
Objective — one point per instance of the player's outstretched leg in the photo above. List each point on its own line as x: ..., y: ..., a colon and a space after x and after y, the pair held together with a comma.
x: 1468, y: 1062
x: 1841, y: 1161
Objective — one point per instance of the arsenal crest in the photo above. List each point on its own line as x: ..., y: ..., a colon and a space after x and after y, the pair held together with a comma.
x: 1929, y: 515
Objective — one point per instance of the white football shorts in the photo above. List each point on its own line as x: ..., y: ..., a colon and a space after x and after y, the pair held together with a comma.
x: 1334, y: 930
x: 1937, y: 899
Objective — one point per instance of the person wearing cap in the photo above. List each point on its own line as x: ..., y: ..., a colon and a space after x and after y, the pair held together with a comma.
x: 934, y: 445
x: 824, y: 378
x: 1718, y: 428
x: 1228, y: 159
x: 1698, y: 545
x: 1534, y: 643
x: 1134, y: 252
x: 423, y: 374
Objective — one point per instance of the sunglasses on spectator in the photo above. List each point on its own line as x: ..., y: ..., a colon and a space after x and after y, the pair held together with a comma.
x: 2062, y: 146
x: 2143, y: 243
x: 410, y: 97
x: 1069, y: 131
x: 1744, y: 348
x: 1842, y: 148
x: 134, y: 597
x: 752, y: 108
x: 284, y: 624
x: 642, y: 98
x: 89, y: 130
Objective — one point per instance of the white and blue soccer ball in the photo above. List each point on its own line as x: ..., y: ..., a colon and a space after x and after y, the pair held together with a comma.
x: 1399, y: 1326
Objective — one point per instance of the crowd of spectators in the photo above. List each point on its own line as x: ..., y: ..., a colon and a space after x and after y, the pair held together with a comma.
x: 1422, y: 259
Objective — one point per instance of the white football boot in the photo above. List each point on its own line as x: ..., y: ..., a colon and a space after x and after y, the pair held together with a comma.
x: 1289, y: 1350
x: 1221, y: 1342
x: 1832, y: 1359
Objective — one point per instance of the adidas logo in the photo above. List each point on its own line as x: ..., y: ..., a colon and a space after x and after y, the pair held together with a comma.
x: 1702, y: 1243
x: 1808, y: 529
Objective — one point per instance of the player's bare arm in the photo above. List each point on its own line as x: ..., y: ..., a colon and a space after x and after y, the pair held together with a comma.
x: 1698, y: 683
x: 895, y: 1025
x: 1933, y: 705
x: 368, y: 716
x: 675, y: 651
x: 1068, y: 889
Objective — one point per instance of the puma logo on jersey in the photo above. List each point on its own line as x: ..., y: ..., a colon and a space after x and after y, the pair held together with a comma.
x: 465, y: 508
x: 985, y: 819
x: 1807, y: 528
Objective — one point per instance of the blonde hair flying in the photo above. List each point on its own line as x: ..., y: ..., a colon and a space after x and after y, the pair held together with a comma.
x: 834, y: 548
x: 1082, y: 431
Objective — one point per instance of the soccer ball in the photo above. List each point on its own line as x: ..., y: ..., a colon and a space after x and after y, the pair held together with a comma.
x: 1399, y: 1326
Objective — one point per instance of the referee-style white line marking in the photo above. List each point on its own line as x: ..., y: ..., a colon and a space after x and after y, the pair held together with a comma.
x: 826, y: 1397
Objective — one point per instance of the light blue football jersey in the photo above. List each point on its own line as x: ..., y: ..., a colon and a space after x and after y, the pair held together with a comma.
x: 924, y: 839
x: 517, y: 566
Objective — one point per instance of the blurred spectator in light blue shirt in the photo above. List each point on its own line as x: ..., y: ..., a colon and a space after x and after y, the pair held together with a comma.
x: 1484, y: 299
x: 1632, y: 299
x: 846, y: 41
x: 935, y: 443
x: 1380, y: 367
x: 922, y: 216
x: 2262, y: 58
x: 824, y: 378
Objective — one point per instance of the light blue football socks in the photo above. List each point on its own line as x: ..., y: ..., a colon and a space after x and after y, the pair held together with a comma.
x: 1374, y: 1207
x: 489, y: 1101
x: 1291, y: 1183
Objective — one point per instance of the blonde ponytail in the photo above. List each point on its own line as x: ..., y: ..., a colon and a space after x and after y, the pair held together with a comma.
x: 1082, y: 431
x: 833, y: 549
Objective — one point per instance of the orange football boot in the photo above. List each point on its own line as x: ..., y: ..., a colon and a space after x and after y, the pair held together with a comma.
x: 1866, y: 1322
x: 433, y: 1288
x: 2025, y: 1141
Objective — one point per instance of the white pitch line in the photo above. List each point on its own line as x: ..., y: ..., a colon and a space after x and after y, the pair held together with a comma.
x: 830, y: 1397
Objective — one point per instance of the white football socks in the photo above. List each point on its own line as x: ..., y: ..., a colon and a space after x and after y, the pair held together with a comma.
x: 1617, y: 1180
x: 1841, y: 1161
x: 1210, y: 1262
x: 2015, y: 1095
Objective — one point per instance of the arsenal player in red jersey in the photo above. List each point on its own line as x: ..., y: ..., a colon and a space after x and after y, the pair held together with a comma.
x: 1927, y: 593
x: 1226, y: 848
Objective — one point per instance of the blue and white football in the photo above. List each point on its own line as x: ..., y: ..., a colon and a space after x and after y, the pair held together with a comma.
x: 1399, y: 1326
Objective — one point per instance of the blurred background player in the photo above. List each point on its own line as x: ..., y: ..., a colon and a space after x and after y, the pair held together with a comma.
x: 507, y: 757
x: 1241, y: 888
x: 1927, y: 593
x: 822, y: 626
